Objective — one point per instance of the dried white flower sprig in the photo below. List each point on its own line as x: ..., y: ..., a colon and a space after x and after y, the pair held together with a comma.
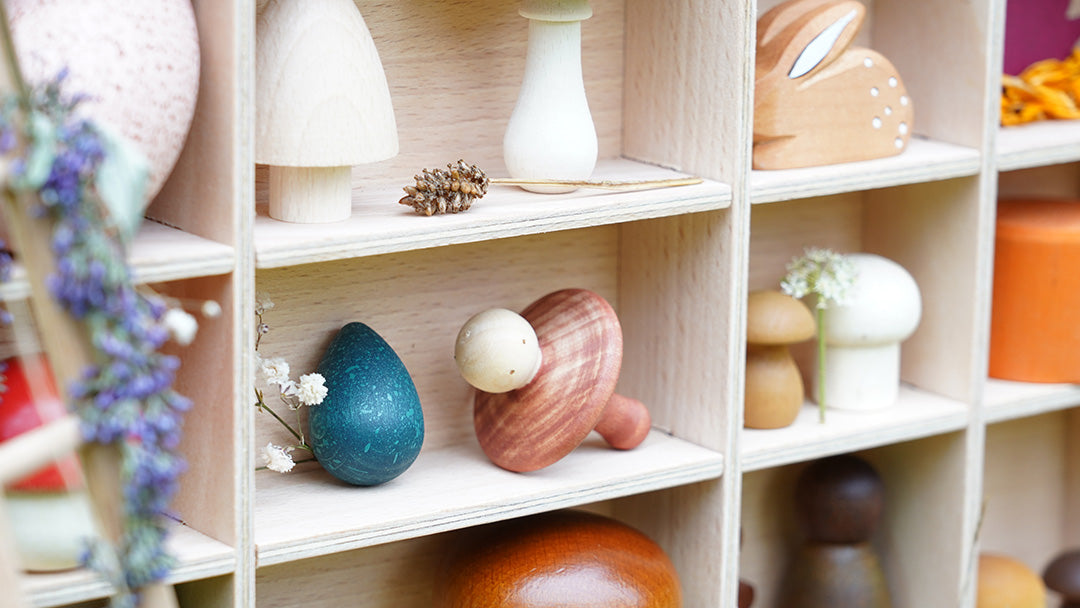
x: 309, y: 391
x: 829, y: 276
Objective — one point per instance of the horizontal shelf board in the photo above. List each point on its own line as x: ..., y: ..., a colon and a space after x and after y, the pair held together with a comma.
x: 198, y: 557
x: 1006, y: 400
x: 158, y: 253
x: 1036, y: 144
x: 307, y: 513
x: 916, y: 414
x: 923, y: 161
x: 380, y: 225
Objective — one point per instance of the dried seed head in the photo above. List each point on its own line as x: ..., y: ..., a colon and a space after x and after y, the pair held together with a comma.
x: 450, y: 190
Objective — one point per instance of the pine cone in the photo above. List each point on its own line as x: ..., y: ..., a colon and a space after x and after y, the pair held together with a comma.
x: 450, y: 190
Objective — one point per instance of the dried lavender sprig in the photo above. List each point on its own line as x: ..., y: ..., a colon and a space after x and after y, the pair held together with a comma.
x: 125, y: 397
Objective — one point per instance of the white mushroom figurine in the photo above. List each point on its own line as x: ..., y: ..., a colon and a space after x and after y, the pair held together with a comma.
x: 863, y: 335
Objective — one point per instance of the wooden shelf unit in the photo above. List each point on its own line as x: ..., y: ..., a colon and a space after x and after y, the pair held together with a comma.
x: 670, y: 89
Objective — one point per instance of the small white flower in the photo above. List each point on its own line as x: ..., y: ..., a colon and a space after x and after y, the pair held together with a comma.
x: 828, y: 275
x: 181, y: 325
x: 276, y: 371
x: 211, y: 309
x: 278, y: 458
x: 263, y: 303
x: 312, y: 389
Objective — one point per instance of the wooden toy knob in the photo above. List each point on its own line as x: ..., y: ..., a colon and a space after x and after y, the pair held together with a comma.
x: 1063, y: 576
x: 1005, y: 582
x: 572, y: 393
x: 565, y: 558
x: 497, y: 351
x: 840, y: 500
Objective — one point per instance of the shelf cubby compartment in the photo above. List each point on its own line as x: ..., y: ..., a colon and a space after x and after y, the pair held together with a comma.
x: 923, y: 228
x: 1031, y: 487
x: 198, y: 557
x: 924, y: 504
x: 418, y: 300
x: 402, y: 574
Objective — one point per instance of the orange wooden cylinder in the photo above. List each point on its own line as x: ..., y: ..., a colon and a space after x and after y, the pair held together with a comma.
x: 1035, y: 323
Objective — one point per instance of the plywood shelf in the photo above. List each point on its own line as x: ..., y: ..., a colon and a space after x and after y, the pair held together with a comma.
x: 925, y: 160
x: 380, y: 225
x: 1038, y: 144
x: 1006, y: 400
x: 158, y: 253
x: 916, y: 414
x: 198, y: 557
x: 306, y: 513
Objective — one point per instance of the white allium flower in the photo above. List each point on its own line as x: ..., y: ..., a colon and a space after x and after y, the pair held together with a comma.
x: 312, y: 389
x: 263, y: 303
x: 276, y: 371
x: 828, y: 275
x: 278, y: 458
x: 181, y: 325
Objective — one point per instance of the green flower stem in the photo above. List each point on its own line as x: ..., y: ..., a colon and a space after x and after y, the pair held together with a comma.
x: 820, y: 313
x: 267, y: 409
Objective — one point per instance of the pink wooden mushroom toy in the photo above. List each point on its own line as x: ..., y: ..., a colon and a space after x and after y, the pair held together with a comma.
x: 546, y: 379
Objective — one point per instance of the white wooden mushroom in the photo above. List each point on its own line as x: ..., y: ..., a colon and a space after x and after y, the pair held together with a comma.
x: 551, y: 134
x: 862, y: 361
x: 322, y: 106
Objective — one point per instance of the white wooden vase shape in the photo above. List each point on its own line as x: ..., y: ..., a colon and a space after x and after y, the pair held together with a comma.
x: 551, y: 133
x: 862, y: 359
x: 323, y: 105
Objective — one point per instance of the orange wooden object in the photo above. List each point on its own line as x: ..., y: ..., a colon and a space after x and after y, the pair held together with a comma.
x: 565, y: 558
x: 1035, y: 326
x: 571, y: 395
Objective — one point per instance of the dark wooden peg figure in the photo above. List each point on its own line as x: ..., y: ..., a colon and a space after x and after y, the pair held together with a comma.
x: 839, y: 501
x: 1063, y: 576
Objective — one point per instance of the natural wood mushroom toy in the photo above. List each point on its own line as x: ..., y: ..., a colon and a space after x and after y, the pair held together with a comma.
x: 323, y: 106
x: 541, y: 392
x: 840, y: 500
x: 565, y: 558
x: 1005, y: 582
x: 1063, y: 576
x: 774, y: 387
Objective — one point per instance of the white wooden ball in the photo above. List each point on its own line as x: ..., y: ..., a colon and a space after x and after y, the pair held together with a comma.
x: 137, y: 60
x: 497, y: 351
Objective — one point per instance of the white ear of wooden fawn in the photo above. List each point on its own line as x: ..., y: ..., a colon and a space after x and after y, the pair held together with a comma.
x: 497, y: 351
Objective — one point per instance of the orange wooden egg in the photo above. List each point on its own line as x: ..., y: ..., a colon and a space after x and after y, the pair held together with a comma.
x: 1035, y: 326
x: 564, y: 558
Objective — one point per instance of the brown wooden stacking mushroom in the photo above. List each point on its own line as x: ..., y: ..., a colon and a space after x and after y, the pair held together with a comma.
x: 564, y: 558
x: 1063, y: 576
x: 774, y: 387
x: 572, y: 392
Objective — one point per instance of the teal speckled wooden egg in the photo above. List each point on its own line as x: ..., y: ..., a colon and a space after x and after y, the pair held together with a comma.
x: 370, y: 427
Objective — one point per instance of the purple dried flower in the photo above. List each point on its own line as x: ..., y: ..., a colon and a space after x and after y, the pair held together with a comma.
x: 126, y: 398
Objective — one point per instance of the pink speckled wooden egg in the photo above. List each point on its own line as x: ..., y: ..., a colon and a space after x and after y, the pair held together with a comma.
x: 138, y: 61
